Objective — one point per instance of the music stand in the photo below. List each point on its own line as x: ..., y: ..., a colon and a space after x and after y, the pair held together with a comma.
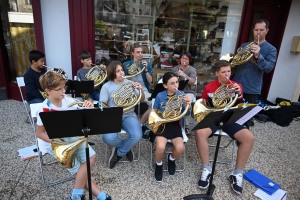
x: 218, y: 118
x: 82, y: 122
x: 75, y: 86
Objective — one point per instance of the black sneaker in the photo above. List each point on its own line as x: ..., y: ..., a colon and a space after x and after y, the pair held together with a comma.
x: 159, y: 173
x: 171, y: 166
x: 114, y: 158
x: 203, y: 183
x: 130, y: 156
x: 236, y: 182
x: 108, y: 197
x: 77, y: 197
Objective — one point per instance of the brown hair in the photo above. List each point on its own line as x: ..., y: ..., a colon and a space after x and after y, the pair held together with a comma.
x: 261, y: 21
x: 134, y: 46
x: 111, y: 69
x: 51, y: 80
x: 221, y: 63
x: 187, y: 54
x: 84, y: 55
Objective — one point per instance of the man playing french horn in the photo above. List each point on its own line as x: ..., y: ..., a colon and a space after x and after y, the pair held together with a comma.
x: 244, y: 137
x: 54, y: 85
x: 144, y: 78
x: 121, y: 92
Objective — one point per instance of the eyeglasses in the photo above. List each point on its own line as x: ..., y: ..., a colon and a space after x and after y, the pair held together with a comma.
x: 61, y: 89
x: 184, y: 58
x: 173, y: 83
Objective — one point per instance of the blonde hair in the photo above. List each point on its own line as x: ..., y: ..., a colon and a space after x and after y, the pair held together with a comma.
x: 51, y: 80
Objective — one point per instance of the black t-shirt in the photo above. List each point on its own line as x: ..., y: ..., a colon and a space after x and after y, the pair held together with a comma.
x: 31, y: 79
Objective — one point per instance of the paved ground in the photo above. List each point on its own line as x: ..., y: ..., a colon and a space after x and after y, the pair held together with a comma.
x: 275, y: 154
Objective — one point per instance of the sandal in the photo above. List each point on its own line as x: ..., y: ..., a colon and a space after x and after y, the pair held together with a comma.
x: 187, y: 131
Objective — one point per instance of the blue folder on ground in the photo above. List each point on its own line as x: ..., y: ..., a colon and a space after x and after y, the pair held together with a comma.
x: 261, y: 181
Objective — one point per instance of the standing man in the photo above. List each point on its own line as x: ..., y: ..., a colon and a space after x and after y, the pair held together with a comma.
x: 250, y: 74
x: 145, y: 78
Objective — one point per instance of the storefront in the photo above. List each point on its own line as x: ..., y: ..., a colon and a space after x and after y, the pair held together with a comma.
x: 165, y: 29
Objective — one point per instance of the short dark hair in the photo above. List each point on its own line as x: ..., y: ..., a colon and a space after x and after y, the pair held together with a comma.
x: 187, y: 54
x: 135, y: 45
x: 84, y: 55
x: 221, y: 63
x: 167, y: 76
x: 258, y: 21
x: 35, y: 55
x: 111, y: 69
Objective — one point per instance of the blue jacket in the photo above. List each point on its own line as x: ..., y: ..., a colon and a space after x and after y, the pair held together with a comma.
x: 162, y: 97
x: 250, y: 74
x: 127, y: 64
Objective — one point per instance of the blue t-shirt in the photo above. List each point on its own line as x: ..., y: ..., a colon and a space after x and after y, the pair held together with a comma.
x: 250, y: 74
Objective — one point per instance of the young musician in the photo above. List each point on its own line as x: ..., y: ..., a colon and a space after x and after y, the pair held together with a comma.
x: 172, y: 130
x: 145, y: 78
x: 130, y: 122
x: 186, y: 72
x: 54, y: 85
x: 32, y: 75
x: 86, y: 60
x: 240, y: 133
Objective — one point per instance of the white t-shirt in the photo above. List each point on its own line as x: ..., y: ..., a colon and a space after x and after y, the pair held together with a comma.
x: 47, y: 105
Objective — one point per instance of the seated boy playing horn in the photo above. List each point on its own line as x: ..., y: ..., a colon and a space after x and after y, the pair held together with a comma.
x: 54, y: 85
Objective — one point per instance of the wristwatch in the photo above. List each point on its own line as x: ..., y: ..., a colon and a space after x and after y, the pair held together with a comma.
x: 146, y: 71
x: 186, y: 78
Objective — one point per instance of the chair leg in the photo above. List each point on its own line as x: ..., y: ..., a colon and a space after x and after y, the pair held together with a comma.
x: 232, y: 154
x: 106, y: 159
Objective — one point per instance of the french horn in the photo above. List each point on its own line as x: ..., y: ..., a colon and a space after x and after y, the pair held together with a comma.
x: 125, y: 96
x: 243, y: 55
x: 173, y: 108
x: 58, y: 71
x: 135, y: 69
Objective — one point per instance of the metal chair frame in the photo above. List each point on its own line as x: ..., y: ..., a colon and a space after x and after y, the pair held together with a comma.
x: 223, y: 147
x: 21, y: 83
x: 34, y: 109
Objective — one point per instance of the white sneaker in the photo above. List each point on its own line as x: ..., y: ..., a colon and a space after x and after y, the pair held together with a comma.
x: 236, y: 181
x: 203, y: 183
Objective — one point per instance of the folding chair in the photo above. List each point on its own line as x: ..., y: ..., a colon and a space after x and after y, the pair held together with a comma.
x: 123, y: 133
x: 41, y: 151
x: 169, y: 143
x: 21, y: 83
x: 223, y: 147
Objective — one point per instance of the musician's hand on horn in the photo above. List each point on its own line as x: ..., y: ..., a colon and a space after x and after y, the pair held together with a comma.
x: 137, y: 85
x: 237, y: 88
x: 88, y: 103
x: 181, y: 73
x: 187, y: 99
x: 102, y: 66
x: 144, y: 63
x: 255, y: 49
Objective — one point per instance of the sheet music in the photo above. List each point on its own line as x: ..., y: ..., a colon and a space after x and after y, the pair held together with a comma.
x: 249, y: 115
x: 27, y: 152
x: 278, y: 195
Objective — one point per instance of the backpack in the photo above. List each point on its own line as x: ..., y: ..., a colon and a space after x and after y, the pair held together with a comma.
x: 282, y: 116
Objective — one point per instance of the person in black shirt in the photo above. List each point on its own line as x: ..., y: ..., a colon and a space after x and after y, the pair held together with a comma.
x: 32, y: 75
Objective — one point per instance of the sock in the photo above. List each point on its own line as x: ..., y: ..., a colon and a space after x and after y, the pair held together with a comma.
x: 101, y: 196
x: 207, y: 166
x: 171, y: 158
x: 238, y: 171
x: 159, y: 163
x: 77, y: 192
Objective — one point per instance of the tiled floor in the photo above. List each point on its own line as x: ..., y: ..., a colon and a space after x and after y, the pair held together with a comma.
x: 275, y: 154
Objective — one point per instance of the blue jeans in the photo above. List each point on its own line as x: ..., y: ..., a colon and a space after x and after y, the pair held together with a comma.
x: 133, y: 128
x: 96, y: 95
x: 37, y: 100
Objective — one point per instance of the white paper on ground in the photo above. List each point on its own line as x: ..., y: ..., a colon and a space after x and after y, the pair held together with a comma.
x: 27, y: 152
x: 278, y: 195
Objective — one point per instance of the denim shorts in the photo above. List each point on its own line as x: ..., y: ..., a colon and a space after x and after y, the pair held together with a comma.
x: 79, y: 154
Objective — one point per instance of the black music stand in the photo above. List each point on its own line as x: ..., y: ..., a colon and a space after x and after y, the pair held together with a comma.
x: 75, y: 86
x: 219, y: 118
x: 83, y: 122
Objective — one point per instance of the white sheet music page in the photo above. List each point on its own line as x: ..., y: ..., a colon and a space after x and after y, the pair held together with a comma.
x: 28, y: 152
x: 278, y: 195
x: 249, y: 115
